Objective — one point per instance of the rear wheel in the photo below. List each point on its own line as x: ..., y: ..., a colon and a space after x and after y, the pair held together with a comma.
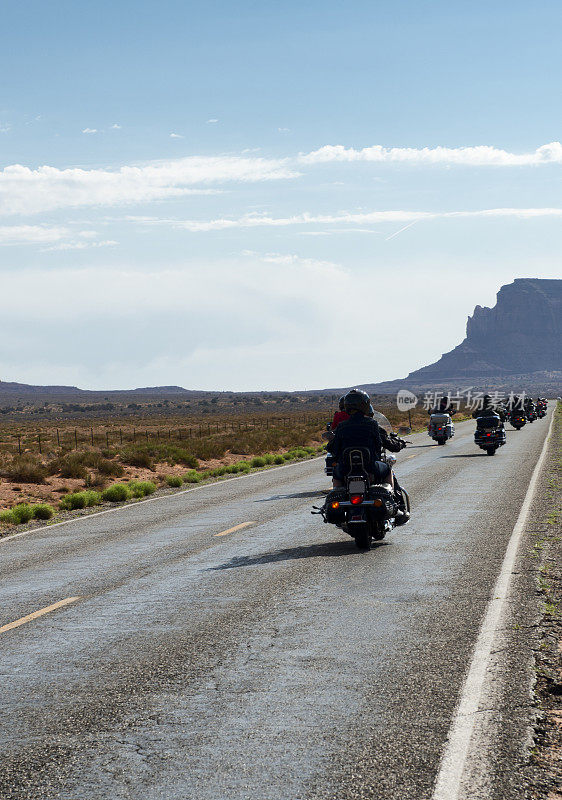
x: 491, y: 451
x: 363, y: 541
x: 441, y: 441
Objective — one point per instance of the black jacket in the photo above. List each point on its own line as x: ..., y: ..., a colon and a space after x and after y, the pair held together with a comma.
x: 358, y: 431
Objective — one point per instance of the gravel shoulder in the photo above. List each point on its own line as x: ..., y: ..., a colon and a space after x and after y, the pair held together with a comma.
x: 543, y: 770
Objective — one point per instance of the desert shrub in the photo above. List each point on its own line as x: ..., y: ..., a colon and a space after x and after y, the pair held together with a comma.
x: 7, y: 518
x: 71, y: 466
x: 42, y: 511
x: 107, y: 467
x: 146, y: 455
x: 243, y: 466
x: 141, y: 488
x: 91, y: 497
x: 108, y: 452
x: 258, y: 461
x: 22, y: 513
x: 269, y: 458
x: 137, y: 458
x: 95, y: 480
x: 191, y: 477
x: 174, y: 481
x: 78, y: 500
x: 278, y: 459
x: 116, y: 493
x: 73, y: 501
x: 288, y: 456
x: 26, y: 468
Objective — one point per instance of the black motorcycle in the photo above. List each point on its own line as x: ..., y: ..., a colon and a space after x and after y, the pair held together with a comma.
x: 517, y: 419
x: 489, y: 434
x: 364, y: 508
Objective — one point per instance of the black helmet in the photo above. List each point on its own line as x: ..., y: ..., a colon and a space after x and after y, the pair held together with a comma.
x: 371, y: 410
x: 356, y: 400
x: 341, y: 401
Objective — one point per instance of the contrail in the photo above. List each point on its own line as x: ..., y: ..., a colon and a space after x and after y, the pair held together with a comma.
x: 405, y: 228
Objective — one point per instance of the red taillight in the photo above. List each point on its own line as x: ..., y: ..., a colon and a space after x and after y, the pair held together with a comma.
x: 488, y: 434
x: 439, y: 429
x: 356, y: 499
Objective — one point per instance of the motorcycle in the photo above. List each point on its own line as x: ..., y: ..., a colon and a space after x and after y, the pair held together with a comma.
x: 489, y: 434
x: 541, y: 409
x: 517, y: 419
x: 440, y: 428
x: 366, y: 508
x: 531, y: 413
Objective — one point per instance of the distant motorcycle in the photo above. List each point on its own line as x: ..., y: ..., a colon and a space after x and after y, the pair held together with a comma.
x: 518, y: 419
x: 365, y: 509
x: 441, y: 427
x: 541, y: 409
x: 489, y: 434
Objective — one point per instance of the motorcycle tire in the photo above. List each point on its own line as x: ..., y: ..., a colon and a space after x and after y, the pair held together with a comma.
x: 491, y: 451
x: 441, y: 441
x: 363, y: 541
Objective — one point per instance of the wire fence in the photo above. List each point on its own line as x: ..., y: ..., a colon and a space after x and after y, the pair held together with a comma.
x: 47, y: 440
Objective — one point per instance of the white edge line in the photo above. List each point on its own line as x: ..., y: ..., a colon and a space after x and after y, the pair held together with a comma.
x: 449, y: 778
x: 43, y: 528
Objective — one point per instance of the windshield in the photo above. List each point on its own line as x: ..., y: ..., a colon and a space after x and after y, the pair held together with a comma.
x: 383, y: 422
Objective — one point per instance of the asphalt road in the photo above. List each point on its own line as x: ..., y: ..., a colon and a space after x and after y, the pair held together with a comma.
x: 274, y: 661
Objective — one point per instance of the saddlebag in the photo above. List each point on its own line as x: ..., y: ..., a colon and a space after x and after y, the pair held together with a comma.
x: 331, y: 514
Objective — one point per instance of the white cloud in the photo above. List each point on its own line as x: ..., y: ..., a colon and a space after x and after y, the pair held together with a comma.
x: 57, y: 237
x: 75, y: 245
x: 32, y: 234
x: 369, y: 217
x: 480, y: 156
x: 211, y: 121
x: 284, y: 130
x: 90, y: 130
x: 5, y: 127
x: 176, y: 136
x: 28, y: 191
x: 116, y: 127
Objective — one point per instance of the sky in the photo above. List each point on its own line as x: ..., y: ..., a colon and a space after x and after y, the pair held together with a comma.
x: 265, y: 195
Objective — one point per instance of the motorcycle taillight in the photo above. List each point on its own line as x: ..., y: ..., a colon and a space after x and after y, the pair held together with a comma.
x: 356, y: 499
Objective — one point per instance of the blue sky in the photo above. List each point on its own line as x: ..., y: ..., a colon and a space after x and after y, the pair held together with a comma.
x: 234, y: 195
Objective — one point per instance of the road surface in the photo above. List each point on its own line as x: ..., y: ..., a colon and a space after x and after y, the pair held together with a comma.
x: 223, y: 644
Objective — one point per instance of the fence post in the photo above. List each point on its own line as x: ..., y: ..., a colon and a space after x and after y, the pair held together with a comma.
x: 107, y: 438
x: 120, y: 436
x: 58, y: 438
x: 76, y: 439
x: 19, y: 443
x: 146, y: 435
x: 92, y: 434
x: 134, y: 439
x: 39, y: 439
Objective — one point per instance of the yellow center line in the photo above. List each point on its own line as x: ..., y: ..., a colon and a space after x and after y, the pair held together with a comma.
x: 35, y: 614
x: 408, y: 457
x: 236, y: 528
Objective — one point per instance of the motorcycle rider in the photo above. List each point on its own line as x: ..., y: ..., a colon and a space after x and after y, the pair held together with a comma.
x: 490, y: 409
x: 341, y: 415
x: 444, y: 406
x: 360, y: 430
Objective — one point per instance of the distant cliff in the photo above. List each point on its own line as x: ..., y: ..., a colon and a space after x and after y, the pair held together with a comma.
x: 521, y: 334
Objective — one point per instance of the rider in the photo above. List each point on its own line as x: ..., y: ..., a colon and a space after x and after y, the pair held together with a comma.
x: 360, y: 430
x: 444, y: 406
x: 341, y: 415
x: 490, y: 409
